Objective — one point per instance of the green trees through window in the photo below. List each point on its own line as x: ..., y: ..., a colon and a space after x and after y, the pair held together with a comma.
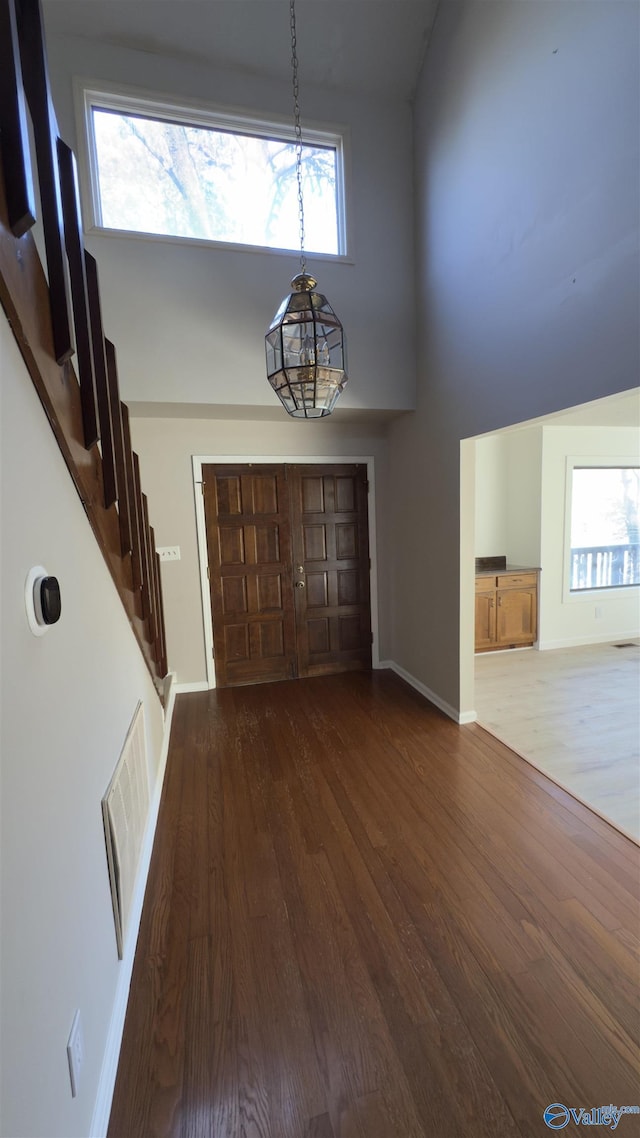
x: 176, y: 179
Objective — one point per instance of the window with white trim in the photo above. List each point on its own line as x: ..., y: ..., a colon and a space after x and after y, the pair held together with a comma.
x: 604, y: 518
x: 174, y: 171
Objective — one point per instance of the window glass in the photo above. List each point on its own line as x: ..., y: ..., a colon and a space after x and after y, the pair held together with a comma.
x: 605, y: 550
x: 176, y: 179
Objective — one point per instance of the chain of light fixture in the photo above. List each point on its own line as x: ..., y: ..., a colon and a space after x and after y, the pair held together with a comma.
x: 305, y: 344
x: 298, y: 128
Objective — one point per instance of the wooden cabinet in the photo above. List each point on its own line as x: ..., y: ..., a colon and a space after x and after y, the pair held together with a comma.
x: 506, y: 610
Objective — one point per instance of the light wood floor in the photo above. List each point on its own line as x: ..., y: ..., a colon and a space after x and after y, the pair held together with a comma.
x: 363, y: 921
x: 575, y: 713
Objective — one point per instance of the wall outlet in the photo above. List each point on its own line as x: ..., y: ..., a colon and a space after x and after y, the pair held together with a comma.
x: 168, y: 552
x: 75, y: 1053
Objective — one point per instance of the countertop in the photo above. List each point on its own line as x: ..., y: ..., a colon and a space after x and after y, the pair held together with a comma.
x: 508, y: 569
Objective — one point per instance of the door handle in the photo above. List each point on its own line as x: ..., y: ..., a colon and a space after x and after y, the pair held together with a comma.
x: 299, y: 584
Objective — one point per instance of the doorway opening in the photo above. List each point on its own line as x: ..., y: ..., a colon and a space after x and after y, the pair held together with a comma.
x: 555, y: 706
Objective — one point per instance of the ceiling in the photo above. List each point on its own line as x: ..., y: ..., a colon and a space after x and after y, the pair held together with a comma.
x: 369, y: 46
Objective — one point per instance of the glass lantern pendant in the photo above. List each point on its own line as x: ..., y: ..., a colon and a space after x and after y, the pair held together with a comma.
x: 305, y: 342
x: 306, y: 352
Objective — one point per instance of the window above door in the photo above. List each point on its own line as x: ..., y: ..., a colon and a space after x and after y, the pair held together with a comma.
x: 174, y: 170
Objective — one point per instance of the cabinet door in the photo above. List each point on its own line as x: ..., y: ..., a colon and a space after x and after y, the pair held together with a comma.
x: 517, y: 616
x: 485, y: 620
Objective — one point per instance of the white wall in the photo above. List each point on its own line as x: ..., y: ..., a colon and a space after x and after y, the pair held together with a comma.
x: 189, y: 321
x: 67, y: 701
x: 529, y: 519
x: 165, y: 447
x: 527, y: 186
x: 589, y: 617
x: 491, y: 532
x: 524, y: 495
x: 508, y: 495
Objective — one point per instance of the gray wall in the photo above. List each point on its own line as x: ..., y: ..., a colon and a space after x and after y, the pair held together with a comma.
x: 527, y: 168
x: 189, y: 319
x: 165, y: 447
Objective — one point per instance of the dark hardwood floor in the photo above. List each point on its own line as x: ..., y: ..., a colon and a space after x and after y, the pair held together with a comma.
x: 364, y: 921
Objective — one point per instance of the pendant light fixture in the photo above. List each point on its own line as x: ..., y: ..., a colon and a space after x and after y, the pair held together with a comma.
x: 305, y: 343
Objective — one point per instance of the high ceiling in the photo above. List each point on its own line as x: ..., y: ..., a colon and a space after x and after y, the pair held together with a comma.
x: 370, y: 46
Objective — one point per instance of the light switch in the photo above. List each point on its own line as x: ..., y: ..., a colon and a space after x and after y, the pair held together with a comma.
x: 169, y: 552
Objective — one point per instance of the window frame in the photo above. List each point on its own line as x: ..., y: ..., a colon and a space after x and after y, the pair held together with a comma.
x: 590, y: 462
x: 90, y: 94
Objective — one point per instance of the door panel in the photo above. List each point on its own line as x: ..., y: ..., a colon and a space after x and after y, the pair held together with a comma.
x: 249, y: 544
x: 331, y: 560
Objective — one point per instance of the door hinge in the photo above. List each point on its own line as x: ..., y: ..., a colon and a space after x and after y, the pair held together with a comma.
x: 202, y: 488
x: 208, y: 574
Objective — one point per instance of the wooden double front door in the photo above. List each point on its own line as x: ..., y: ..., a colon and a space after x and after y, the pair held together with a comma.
x: 288, y: 554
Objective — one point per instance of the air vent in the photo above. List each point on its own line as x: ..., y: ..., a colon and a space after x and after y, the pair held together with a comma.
x: 125, y: 809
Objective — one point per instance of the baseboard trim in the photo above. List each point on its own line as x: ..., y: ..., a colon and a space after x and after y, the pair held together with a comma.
x: 584, y: 641
x: 467, y: 717
x: 106, y: 1085
x: 459, y: 717
x: 197, y: 685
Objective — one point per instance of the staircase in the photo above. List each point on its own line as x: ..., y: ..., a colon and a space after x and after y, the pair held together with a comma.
x: 54, y: 312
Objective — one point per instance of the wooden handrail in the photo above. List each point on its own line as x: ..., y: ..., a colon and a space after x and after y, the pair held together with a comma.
x: 41, y: 314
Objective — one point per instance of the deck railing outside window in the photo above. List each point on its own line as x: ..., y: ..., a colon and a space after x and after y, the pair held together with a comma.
x: 605, y: 566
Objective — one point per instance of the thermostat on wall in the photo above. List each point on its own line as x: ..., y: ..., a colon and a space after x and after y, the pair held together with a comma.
x: 42, y: 600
